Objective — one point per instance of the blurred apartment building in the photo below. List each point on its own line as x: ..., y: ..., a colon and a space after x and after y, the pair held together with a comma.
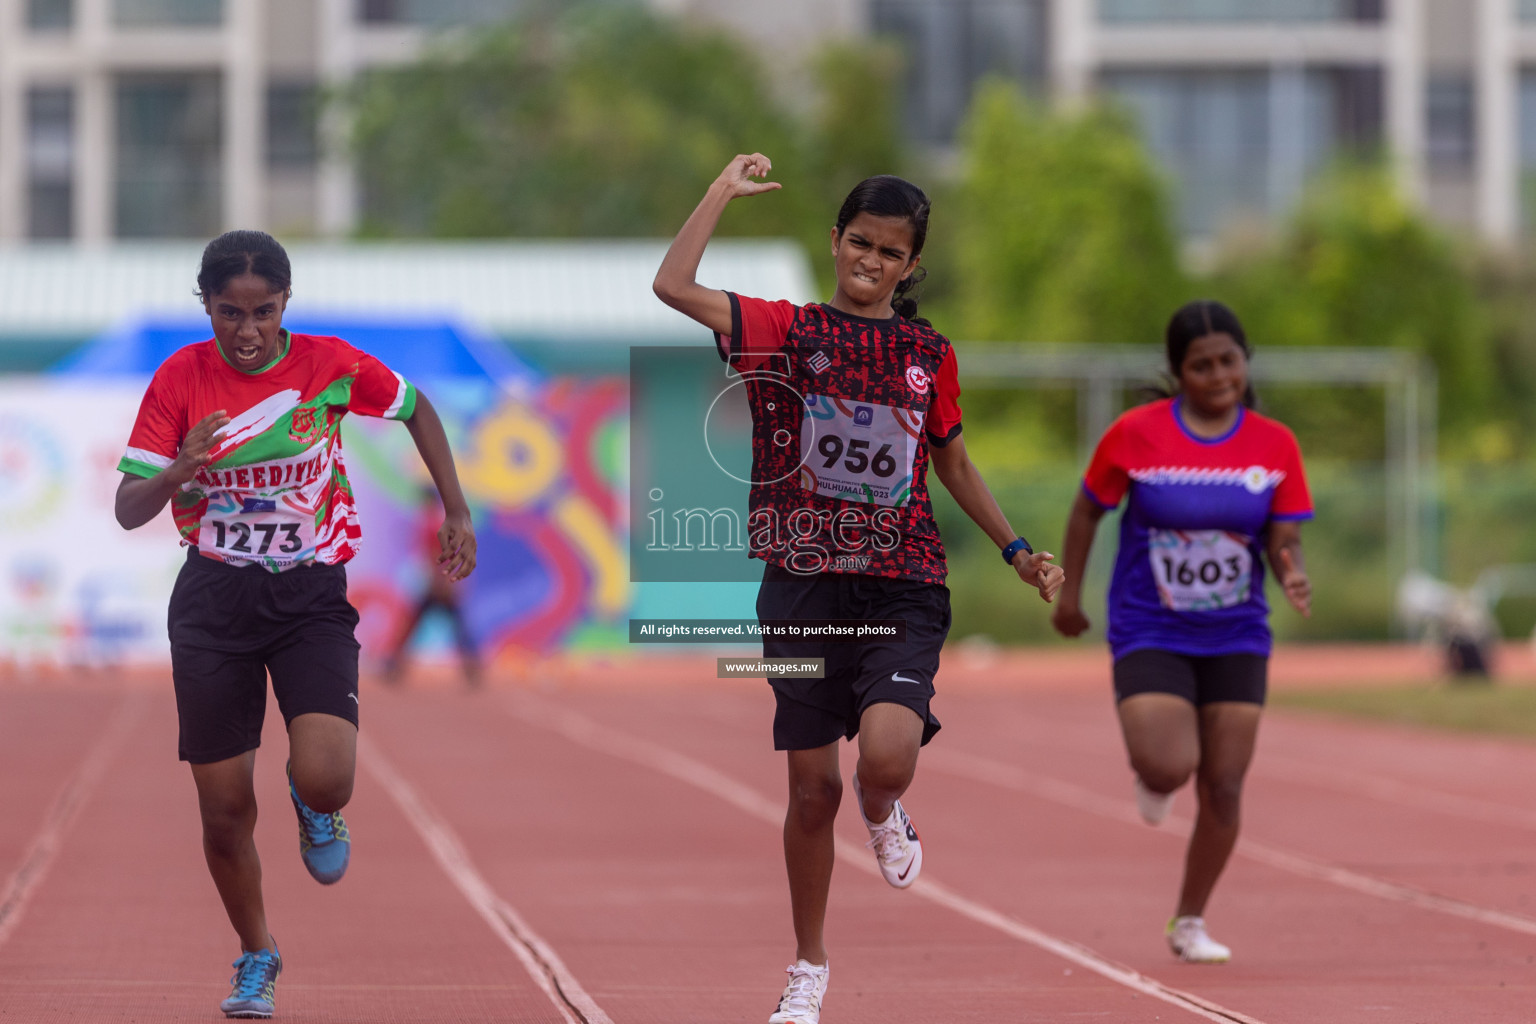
x: 179, y: 118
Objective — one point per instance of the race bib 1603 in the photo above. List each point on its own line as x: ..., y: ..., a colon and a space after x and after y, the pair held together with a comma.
x: 858, y: 451
x: 1201, y: 570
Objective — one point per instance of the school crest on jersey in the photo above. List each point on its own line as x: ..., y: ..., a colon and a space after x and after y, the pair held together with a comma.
x: 303, y: 427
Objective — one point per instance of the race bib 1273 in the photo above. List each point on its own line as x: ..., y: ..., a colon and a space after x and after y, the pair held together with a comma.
x: 263, y: 530
x: 858, y: 451
x: 1201, y: 570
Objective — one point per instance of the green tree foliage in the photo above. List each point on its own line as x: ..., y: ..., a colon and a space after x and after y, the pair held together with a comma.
x: 1506, y: 290
x: 609, y: 121
x: 1359, y: 265
x: 855, y: 130
x: 605, y: 122
x: 1060, y: 228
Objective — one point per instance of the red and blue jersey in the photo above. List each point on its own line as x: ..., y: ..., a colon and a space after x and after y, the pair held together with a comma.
x: 1188, y: 577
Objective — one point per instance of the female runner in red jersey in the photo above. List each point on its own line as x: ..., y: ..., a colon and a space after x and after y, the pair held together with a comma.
x: 1210, y: 487
x: 850, y: 399
x: 241, y: 435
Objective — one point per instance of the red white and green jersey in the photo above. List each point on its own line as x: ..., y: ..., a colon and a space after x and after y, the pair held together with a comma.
x: 275, y: 492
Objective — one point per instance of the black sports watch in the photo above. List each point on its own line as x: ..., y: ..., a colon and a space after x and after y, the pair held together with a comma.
x: 1013, y: 549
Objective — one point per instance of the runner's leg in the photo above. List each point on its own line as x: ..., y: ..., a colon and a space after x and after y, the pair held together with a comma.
x: 890, y: 736
x: 1162, y: 737
x: 226, y: 797
x: 1228, y: 731
x: 394, y: 663
x: 322, y: 759
x: 469, y: 657
x: 815, y: 790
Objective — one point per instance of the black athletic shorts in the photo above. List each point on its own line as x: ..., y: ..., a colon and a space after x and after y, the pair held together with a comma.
x: 230, y: 626
x: 1199, y: 680
x: 814, y: 712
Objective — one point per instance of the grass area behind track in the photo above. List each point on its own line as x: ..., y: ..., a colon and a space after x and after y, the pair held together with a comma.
x: 1502, y: 710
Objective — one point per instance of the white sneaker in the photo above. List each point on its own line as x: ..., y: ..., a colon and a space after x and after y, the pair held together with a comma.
x: 898, y: 850
x: 1190, y: 943
x: 801, y: 1001
x: 1154, y: 807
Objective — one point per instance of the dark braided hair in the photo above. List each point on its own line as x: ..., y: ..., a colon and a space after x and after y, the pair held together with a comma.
x: 886, y: 195
x: 1199, y: 319
x: 243, y: 252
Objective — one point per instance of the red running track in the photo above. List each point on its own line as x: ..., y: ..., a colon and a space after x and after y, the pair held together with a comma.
x: 608, y: 850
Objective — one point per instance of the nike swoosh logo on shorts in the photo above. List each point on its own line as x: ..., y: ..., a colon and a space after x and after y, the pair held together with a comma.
x: 354, y: 698
x: 897, y: 677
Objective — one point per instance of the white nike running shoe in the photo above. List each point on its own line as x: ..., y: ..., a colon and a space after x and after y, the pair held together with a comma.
x: 801, y: 1001
x: 1154, y: 807
x: 1188, y: 940
x: 898, y: 850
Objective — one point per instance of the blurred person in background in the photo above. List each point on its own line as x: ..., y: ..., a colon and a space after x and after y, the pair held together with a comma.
x: 850, y: 400
x: 438, y: 592
x: 1210, y: 486
x: 241, y: 436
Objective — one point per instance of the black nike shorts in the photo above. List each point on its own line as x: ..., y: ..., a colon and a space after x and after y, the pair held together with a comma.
x: 1242, y: 678
x: 812, y: 713
x: 230, y: 626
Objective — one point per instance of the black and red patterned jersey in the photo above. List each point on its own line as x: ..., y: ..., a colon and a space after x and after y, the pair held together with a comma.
x: 843, y: 411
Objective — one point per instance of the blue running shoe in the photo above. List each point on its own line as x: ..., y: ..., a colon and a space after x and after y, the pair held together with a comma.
x: 254, y: 995
x: 324, y: 842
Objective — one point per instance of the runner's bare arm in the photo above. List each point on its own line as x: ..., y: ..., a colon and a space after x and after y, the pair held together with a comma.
x: 676, y: 283
x: 1285, y: 558
x: 456, y: 537
x: 962, y: 479
x: 140, y: 498
x: 1082, y: 523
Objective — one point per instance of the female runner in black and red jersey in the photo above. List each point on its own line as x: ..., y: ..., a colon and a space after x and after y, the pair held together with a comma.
x: 850, y: 400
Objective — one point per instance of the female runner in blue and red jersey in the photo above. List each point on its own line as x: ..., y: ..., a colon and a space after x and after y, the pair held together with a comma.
x: 1210, y: 487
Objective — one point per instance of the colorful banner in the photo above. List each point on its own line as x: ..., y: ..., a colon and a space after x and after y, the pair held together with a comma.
x: 544, y: 473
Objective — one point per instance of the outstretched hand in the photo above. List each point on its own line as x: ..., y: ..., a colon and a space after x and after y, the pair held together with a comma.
x: 1036, y: 570
x: 1294, y: 581
x: 197, y: 447
x: 456, y: 539
x: 738, y: 174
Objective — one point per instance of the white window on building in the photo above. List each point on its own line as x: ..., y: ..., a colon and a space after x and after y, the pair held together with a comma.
x: 50, y: 162
x: 168, y: 156
x: 292, y: 125
x: 1450, y: 119
x: 1243, y: 142
x: 1239, y: 10
x: 951, y: 44
x: 50, y: 15
x: 1528, y: 147
x: 438, y: 13
x: 162, y: 13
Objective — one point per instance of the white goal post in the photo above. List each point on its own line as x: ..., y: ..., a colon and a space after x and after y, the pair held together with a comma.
x: 1102, y: 373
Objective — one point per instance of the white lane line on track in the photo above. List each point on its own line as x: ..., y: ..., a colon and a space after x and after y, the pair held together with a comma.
x: 1376, y: 787
x: 62, y: 813
x: 538, y: 958
x: 1080, y: 798
x: 1339, y: 779
x: 593, y: 735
